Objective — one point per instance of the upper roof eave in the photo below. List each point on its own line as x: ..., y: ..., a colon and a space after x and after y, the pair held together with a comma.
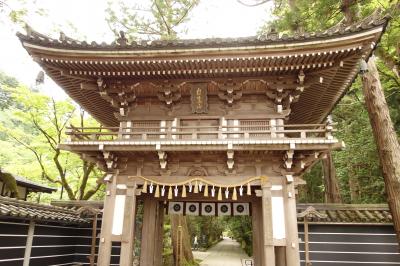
x: 367, y: 27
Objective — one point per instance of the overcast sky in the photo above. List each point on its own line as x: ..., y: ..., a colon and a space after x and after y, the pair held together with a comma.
x: 212, y: 18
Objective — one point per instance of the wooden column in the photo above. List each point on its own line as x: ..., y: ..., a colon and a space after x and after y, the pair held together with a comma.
x: 149, y: 232
x: 268, y: 248
x: 29, y: 240
x: 257, y: 225
x: 107, y: 223
x: 292, y: 235
x: 280, y: 256
x: 159, y: 235
x: 128, y: 229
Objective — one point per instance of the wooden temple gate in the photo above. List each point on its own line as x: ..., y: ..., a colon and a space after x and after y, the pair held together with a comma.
x: 233, y: 120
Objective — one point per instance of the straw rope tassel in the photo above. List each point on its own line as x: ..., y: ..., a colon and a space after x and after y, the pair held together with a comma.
x: 196, y: 187
x: 234, y: 196
x: 157, y: 193
x: 184, y: 191
x: 248, y: 189
x: 170, y: 192
x: 144, y: 189
x: 220, y: 194
x: 206, y: 190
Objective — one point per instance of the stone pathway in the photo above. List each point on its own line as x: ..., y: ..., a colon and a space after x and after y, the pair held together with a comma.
x: 226, y: 253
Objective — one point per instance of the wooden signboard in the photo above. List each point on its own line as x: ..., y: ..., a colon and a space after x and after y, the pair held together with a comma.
x: 199, y: 98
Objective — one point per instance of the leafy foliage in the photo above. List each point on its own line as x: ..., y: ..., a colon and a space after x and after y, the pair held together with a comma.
x: 161, y: 19
x: 32, y: 127
x: 357, y: 167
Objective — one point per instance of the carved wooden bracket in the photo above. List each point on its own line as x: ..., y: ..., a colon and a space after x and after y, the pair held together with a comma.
x: 303, y: 160
x: 168, y: 92
x: 230, y: 91
x: 288, y: 159
x: 284, y: 97
x: 110, y: 159
x: 120, y: 95
x: 162, y: 156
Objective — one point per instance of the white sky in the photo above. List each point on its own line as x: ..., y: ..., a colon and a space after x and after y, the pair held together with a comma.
x: 211, y: 18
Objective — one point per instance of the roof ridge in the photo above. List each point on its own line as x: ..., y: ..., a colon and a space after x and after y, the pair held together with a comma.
x: 122, y: 42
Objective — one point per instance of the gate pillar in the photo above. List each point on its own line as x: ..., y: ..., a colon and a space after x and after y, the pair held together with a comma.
x: 152, y: 233
x: 105, y: 244
x: 292, y: 235
x: 258, y: 244
x: 268, y: 247
x: 128, y: 229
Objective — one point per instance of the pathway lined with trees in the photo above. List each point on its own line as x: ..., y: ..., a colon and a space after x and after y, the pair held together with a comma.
x: 226, y: 253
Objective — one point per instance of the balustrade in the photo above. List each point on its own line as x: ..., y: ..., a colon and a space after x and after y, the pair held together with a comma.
x: 252, y: 129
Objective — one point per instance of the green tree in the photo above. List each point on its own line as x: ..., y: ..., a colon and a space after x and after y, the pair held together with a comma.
x: 37, y: 125
x: 159, y: 19
x: 320, y: 15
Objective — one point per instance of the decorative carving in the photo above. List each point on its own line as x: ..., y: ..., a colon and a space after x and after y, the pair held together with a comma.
x: 111, y: 160
x: 162, y: 156
x: 284, y: 97
x: 289, y: 159
x: 230, y: 162
x: 199, y: 101
x: 168, y: 93
x: 230, y: 91
x: 122, y: 40
x: 120, y: 95
x: 197, y: 171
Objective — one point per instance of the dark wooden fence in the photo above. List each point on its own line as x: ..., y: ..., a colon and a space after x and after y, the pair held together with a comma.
x: 53, y: 244
x: 69, y: 244
x: 351, y: 245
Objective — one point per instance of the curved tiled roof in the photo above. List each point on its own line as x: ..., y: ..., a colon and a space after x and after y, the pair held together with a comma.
x: 349, y: 213
x: 271, y: 38
x: 33, y: 186
x: 332, y: 55
x: 19, y: 209
x: 335, y: 213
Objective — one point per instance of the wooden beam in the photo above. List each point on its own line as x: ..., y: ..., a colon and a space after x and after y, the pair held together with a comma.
x: 128, y: 230
x: 29, y: 241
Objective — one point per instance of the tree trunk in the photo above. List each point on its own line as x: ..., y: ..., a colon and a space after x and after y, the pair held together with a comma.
x: 385, y: 138
x: 354, y: 187
x: 332, y: 191
x: 176, y: 221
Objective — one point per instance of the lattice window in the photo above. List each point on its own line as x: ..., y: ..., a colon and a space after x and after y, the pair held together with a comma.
x: 256, y: 125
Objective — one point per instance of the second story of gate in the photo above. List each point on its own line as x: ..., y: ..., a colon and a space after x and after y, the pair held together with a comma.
x: 272, y: 90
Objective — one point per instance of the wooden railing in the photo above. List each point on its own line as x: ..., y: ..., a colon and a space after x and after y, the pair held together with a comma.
x: 303, y: 131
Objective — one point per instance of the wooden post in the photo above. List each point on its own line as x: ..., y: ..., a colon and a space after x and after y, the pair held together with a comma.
x: 158, y: 259
x: 128, y: 229
x: 280, y: 256
x: 107, y: 223
x: 292, y: 235
x: 268, y: 250
x: 306, y: 242
x: 256, y: 219
x: 29, y: 240
x: 92, y: 256
x: 149, y: 232
x: 179, y: 243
